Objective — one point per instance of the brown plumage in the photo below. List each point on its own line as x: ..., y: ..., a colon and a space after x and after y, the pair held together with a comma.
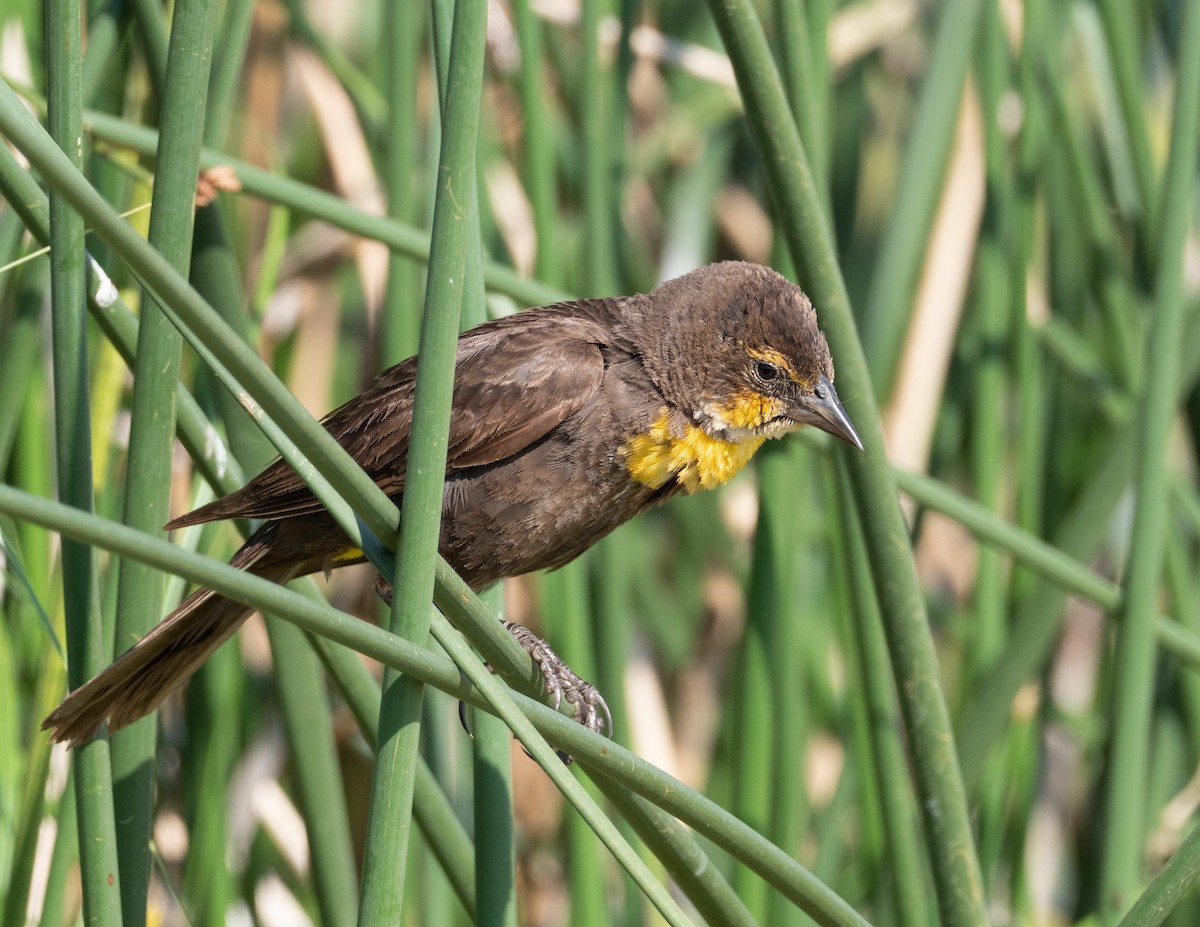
x: 567, y: 421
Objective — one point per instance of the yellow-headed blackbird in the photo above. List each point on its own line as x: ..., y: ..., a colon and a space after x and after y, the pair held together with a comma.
x: 567, y: 421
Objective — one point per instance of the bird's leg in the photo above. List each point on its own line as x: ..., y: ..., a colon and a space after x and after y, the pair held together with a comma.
x: 560, y: 680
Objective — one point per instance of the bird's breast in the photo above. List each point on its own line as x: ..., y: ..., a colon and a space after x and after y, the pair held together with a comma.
x: 688, y: 455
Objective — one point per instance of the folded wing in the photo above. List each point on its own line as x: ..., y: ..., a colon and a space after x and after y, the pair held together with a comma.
x: 513, y: 385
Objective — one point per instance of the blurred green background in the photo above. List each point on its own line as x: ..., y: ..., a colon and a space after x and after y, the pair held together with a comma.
x: 1006, y: 190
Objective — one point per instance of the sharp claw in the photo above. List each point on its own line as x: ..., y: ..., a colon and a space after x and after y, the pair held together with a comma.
x: 608, y: 721
x: 560, y: 680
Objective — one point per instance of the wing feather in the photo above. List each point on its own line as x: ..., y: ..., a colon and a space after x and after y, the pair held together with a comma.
x: 514, y: 383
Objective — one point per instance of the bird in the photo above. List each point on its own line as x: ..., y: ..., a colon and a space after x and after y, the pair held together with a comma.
x: 567, y: 421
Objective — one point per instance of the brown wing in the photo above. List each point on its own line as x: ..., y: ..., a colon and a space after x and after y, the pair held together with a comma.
x: 514, y: 382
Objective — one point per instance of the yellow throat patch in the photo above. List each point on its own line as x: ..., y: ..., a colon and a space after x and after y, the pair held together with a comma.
x: 696, y: 459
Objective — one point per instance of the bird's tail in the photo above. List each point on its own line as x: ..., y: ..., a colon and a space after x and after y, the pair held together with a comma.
x: 140, y: 679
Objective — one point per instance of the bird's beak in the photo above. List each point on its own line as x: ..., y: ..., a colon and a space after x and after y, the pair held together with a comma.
x: 824, y: 410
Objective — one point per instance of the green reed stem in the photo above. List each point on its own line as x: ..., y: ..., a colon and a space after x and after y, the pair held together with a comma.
x: 73, y: 443
x: 152, y: 424
x: 390, y: 817
x: 1134, y: 651
x: 935, y: 765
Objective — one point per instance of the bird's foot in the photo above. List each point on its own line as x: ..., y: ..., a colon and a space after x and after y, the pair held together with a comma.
x: 563, y: 683
x: 560, y: 680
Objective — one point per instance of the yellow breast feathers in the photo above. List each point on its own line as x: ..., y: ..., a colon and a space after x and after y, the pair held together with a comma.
x: 694, y: 458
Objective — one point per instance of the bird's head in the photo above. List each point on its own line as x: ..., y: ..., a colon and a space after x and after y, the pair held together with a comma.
x: 740, y: 351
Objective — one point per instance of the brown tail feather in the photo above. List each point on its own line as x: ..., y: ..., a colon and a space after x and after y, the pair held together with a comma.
x: 141, y: 678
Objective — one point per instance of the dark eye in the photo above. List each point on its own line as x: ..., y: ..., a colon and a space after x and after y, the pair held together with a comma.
x: 765, y: 371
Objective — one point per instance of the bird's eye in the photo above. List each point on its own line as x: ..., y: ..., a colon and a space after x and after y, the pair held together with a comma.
x: 765, y: 371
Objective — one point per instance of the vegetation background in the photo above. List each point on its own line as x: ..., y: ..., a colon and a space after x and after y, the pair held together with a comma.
x: 997, y: 196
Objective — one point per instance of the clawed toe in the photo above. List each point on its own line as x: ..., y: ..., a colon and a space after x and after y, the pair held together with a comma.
x: 590, y: 708
x: 560, y: 681
x: 563, y: 683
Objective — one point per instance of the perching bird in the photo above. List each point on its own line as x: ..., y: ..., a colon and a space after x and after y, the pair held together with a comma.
x: 567, y: 421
